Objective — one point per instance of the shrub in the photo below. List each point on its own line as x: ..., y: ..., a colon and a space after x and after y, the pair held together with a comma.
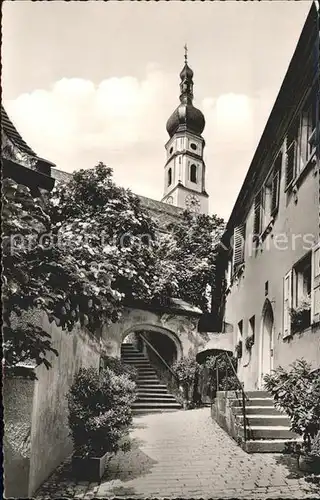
x: 297, y: 391
x: 120, y: 368
x: 238, y: 349
x: 186, y: 370
x: 99, y: 411
x: 249, y: 342
x: 227, y: 379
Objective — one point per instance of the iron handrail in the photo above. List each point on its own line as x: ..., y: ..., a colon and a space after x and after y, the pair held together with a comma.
x: 243, y: 394
x: 159, y: 356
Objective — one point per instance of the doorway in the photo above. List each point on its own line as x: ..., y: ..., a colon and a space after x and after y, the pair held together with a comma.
x: 266, y: 341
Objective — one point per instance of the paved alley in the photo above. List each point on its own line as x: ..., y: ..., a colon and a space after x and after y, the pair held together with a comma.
x: 185, y: 454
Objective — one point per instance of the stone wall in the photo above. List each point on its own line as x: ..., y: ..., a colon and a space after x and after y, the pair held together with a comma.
x: 36, y: 426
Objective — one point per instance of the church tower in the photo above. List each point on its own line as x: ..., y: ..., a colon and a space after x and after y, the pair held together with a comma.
x: 185, y: 168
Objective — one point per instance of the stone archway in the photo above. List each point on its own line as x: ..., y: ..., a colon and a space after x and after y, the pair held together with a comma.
x: 266, y: 341
x: 156, y: 329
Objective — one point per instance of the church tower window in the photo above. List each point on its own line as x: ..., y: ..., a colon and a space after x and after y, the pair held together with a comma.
x: 169, y: 176
x: 193, y: 173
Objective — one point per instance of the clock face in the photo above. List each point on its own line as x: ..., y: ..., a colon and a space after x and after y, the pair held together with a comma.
x: 169, y: 200
x: 193, y: 203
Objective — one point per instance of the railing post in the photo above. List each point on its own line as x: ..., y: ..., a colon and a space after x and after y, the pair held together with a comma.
x: 217, y: 376
x: 244, y: 417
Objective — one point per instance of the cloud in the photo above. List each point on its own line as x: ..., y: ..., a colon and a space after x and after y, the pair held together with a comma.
x: 121, y: 121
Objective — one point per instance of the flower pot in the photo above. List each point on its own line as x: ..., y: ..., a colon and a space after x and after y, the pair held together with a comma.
x: 90, y: 468
x: 309, y: 463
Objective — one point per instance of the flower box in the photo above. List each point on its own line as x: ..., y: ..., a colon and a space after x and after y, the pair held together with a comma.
x: 90, y: 468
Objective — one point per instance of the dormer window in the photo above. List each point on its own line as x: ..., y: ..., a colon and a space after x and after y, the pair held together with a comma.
x: 169, y: 176
x: 193, y: 173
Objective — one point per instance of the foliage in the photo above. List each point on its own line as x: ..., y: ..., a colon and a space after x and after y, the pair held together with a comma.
x: 315, y: 446
x: 192, y: 252
x: 297, y: 392
x: 86, y: 249
x: 99, y: 411
x: 186, y: 369
x: 249, y: 342
x: 301, y: 315
x: 238, y: 349
x: 25, y: 344
x: 226, y: 377
x: 120, y: 368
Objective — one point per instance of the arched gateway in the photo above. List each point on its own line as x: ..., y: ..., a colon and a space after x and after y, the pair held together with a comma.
x: 176, y: 326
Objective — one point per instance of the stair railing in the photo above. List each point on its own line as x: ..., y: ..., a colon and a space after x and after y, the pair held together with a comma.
x: 160, y: 357
x: 244, y: 397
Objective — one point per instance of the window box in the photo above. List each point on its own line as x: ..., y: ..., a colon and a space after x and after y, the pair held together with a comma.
x: 301, y: 316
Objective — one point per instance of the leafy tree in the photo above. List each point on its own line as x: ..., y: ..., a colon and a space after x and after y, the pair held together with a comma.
x: 89, y: 247
x: 191, y: 250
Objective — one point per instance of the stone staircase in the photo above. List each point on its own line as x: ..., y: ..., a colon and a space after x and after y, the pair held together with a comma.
x: 153, y: 396
x: 268, y: 430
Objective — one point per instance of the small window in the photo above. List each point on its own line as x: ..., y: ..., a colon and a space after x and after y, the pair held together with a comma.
x: 302, y: 281
x: 193, y: 173
x: 252, y: 327
x: 171, y: 150
x: 240, y: 330
x: 257, y: 215
x: 238, y: 245
x: 169, y: 176
x: 193, y: 146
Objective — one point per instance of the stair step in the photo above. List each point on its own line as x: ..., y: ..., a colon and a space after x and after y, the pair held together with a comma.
x: 269, y: 432
x: 156, y: 405
x: 156, y: 399
x: 253, y: 402
x: 266, y: 420
x: 268, y: 445
x: 152, y: 387
x: 150, y: 394
x: 258, y: 394
x: 142, y: 411
x: 256, y: 410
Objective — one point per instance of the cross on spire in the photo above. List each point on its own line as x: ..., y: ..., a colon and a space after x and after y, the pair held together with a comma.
x: 185, y: 53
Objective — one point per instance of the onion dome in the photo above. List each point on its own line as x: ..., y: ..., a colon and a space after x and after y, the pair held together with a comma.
x: 186, y: 116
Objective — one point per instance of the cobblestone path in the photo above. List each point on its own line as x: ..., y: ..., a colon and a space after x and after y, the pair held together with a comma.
x: 185, y: 454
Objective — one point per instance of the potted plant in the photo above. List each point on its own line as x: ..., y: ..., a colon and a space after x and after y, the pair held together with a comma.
x: 238, y: 349
x: 249, y: 342
x: 99, y: 405
x: 297, y: 392
x: 186, y: 370
x: 300, y: 315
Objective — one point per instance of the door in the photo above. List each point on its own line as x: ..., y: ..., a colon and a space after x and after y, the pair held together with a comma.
x: 266, y: 342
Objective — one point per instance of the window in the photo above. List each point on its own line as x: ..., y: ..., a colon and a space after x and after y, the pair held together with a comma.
x: 301, y: 295
x: 257, y: 214
x: 193, y: 173
x: 193, y: 146
x: 301, y: 141
x: 252, y: 327
x: 315, y: 284
x: 240, y: 330
x: 301, y: 281
x: 238, y: 245
x: 169, y: 176
x: 171, y: 150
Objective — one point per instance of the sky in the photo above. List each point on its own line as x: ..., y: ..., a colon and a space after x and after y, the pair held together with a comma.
x: 85, y: 82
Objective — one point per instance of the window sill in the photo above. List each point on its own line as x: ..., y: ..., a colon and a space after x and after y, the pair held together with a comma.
x: 296, y: 182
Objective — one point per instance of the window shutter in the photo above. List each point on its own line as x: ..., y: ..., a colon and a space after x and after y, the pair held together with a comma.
x: 287, y: 304
x: 275, y: 191
x: 257, y: 215
x: 238, y: 245
x: 290, y: 162
x: 315, y: 284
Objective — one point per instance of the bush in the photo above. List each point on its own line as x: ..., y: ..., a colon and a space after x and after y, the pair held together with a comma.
x: 120, y: 368
x: 249, y: 342
x: 238, y: 349
x: 186, y: 370
x: 297, y: 392
x: 227, y: 378
x: 99, y: 411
